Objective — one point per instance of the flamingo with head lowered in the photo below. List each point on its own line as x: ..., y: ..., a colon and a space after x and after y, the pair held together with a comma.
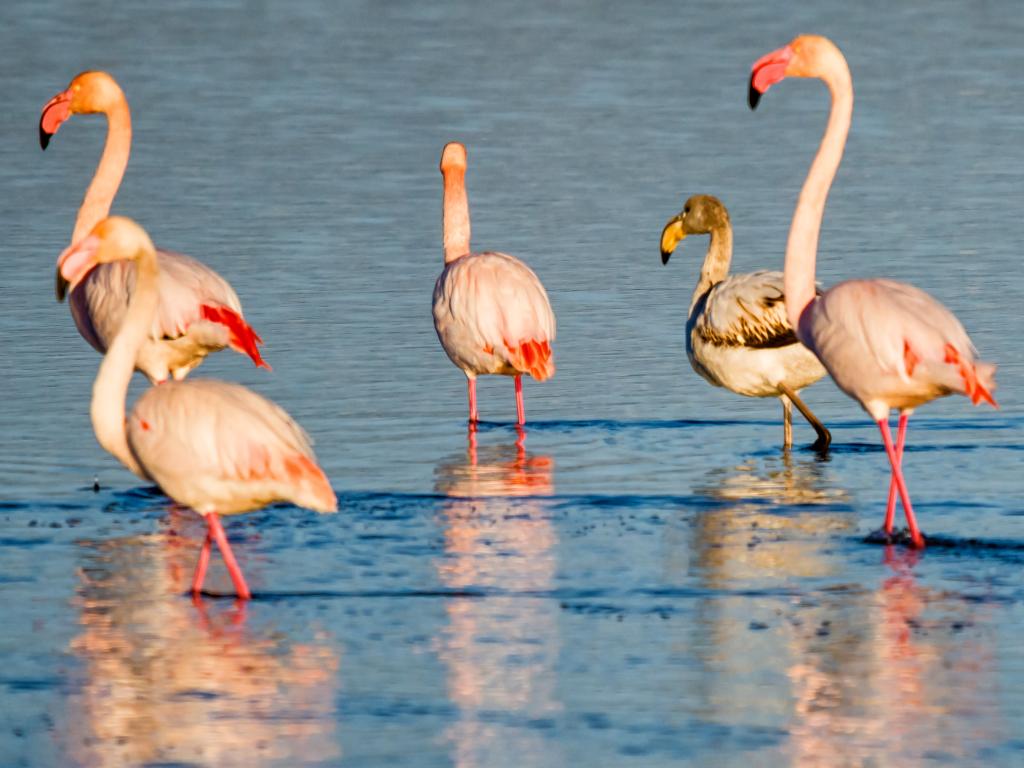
x: 886, y: 344
x: 216, y: 447
x: 737, y: 333
x: 198, y: 311
x: 491, y: 312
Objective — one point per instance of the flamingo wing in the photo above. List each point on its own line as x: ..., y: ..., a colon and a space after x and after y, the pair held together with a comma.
x: 218, y: 446
x: 746, y: 310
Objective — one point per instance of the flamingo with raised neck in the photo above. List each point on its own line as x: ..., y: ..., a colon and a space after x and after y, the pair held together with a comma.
x: 737, y: 333
x: 886, y: 344
x: 199, y: 312
x: 491, y: 312
x: 214, y: 446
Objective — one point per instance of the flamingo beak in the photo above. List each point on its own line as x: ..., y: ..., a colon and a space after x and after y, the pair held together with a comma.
x: 56, y: 111
x: 75, y: 263
x: 671, y: 236
x: 768, y: 70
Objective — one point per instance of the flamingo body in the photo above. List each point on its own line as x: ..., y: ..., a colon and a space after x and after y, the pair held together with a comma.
x: 219, y: 447
x: 491, y: 312
x: 199, y: 312
x: 492, y: 316
x: 737, y: 337
x: 182, y: 334
x: 888, y: 345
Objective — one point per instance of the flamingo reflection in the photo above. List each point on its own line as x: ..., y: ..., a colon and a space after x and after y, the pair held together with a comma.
x: 500, y: 649
x: 894, y: 669
x: 166, y: 681
x: 915, y: 681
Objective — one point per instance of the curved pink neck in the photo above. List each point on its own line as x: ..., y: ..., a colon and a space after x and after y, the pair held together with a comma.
x: 455, y: 221
x: 105, y: 182
x: 110, y: 389
x: 802, y: 246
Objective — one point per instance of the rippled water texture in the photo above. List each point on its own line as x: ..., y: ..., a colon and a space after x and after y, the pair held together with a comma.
x: 644, y: 578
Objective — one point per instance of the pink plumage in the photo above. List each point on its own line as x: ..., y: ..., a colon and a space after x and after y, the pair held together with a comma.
x: 214, y: 446
x: 491, y: 312
x: 199, y: 312
x: 886, y: 344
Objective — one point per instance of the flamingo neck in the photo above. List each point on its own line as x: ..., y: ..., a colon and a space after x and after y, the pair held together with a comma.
x: 716, y: 262
x: 802, y: 246
x: 110, y: 390
x: 455, y: 222
x: 105, y: 182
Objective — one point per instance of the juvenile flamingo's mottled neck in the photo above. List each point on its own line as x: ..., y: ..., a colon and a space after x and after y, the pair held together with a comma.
x: 802, y: 246
x: 110, y: 389
x: 455, y: 223
x: 107, y: 179
x: 716, y: 261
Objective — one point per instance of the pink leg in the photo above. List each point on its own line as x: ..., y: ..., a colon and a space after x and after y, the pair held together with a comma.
x: 520, y: 410
x: 204, y: 561
x: 890, y: 509
x: 473, y: 416
x: 901, y: 485
x: 217, y: 530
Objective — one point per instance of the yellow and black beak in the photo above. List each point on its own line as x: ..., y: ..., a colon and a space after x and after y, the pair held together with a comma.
x: 671, y: 236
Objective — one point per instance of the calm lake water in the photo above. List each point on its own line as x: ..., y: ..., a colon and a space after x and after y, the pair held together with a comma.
x: 646, y: 579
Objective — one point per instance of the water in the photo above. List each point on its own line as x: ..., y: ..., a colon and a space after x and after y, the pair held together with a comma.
x: 646, y: 579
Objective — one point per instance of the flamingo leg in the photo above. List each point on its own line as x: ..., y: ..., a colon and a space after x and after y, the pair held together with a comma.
x: 204, y: 561
x: 787, y: 423
x: 473, y: 416
x: 520, y: 410
x: 217, y: 531
x: 901, y: 485
x: 824, y: 438
x: 890, y: 509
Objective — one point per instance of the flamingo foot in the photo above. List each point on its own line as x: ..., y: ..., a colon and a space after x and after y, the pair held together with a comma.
x: 520, y: 410
x: 890, y: 508
x: 217, y: 531
x: 204, y: 561
x: 473, y: 415
x: 917, y: 540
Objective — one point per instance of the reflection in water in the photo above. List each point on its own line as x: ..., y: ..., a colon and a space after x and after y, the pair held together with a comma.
x: 169, y: 681
x: 913, y: 683
x: 894, y: 675
x: 500, y: 649
x: 771, y: 522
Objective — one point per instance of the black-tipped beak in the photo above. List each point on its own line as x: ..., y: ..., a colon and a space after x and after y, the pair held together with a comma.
x: 671, y: 235
x: 753, y: 95
x: 61, y: 285
x: 44, y: 136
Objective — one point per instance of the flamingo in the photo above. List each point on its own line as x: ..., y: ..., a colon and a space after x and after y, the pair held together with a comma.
x: 199, y: 312
x: 886, y: 344
x: 491, y: 312
x: 213, y: 446
x: 737, y: 334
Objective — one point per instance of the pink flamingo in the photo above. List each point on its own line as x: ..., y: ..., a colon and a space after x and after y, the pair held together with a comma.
x: 491, y: 312
x: 199, y: 312
x: 886, y: 344
x: 216, y: 447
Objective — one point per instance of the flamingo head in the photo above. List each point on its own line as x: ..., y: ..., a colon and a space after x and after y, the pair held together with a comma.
x: 701, y: 215
x: 453, y: 158
x: 116, y: 238
x: 800, y: 58
x: 89, y: 92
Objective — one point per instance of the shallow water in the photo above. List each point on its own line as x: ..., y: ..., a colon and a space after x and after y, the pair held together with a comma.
x: 645, y: 578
